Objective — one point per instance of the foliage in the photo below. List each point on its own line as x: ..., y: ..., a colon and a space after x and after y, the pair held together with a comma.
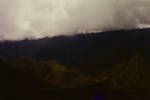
x: 28, y: 73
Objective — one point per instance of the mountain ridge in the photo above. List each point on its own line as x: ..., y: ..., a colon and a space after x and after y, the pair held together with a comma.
x: 106, y: 48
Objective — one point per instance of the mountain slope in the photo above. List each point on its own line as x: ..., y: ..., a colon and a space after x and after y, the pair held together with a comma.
x: 97, y: 49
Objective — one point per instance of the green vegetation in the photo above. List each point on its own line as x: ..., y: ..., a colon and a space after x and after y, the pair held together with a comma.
x: 26, y: 74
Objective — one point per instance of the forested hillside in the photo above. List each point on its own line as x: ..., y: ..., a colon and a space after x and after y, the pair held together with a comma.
x: 111, y: 65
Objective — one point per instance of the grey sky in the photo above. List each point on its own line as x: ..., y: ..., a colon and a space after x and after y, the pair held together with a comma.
x: 39, y: 18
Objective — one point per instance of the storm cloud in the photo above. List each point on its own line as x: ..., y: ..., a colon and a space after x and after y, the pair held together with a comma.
x: 21, y: 19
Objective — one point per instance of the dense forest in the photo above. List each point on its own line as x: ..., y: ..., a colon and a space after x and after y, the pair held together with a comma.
x: 84, y: 67
x: 26, y: 77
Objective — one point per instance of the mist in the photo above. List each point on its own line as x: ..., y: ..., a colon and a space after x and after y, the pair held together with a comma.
x: 32, y: 19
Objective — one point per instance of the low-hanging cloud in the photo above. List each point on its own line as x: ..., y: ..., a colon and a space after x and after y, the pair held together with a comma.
x: 21, y: 19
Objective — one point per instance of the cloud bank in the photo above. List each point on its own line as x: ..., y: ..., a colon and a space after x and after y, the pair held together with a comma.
x: 21, y: 19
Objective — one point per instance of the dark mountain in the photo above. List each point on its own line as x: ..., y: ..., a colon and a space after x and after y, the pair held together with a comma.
x: 96, y: 49
x: 108, y: 65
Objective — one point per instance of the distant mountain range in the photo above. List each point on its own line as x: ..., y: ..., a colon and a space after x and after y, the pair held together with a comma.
x: 90, y: 50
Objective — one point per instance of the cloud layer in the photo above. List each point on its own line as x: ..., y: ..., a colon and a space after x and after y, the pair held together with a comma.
x: 21, y: 19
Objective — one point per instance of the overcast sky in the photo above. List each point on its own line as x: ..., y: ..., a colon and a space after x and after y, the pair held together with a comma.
x: 21, y: 19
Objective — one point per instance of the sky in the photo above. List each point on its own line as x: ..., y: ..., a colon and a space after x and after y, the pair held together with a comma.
x: 32, y: 19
